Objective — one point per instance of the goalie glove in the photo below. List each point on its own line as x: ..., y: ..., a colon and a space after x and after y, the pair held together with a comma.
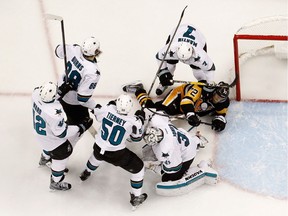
x: 193, y: 119
x: 219, y: 123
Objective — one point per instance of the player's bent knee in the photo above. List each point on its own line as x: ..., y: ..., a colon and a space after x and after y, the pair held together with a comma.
x: 136, y: 165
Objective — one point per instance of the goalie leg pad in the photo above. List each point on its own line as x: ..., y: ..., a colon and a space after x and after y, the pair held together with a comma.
x: 194, y: 178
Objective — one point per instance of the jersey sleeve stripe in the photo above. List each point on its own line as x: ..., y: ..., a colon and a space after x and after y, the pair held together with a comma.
x: 83, y: 98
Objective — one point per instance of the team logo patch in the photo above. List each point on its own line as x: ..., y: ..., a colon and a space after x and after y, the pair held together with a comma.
x: 58, y: 111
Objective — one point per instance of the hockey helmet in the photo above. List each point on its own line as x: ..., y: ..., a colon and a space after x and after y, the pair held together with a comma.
x: 153, y: 135
x: 221, y: 92
x: 48, y: 92
x: 124, y: 104
x: 90, y: 46
x: 184, y: 51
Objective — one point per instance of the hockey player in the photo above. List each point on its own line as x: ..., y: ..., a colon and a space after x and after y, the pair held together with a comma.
x: 192, y: 100
x: 82, y: 78
x: 52, y: 132
x: 110, y: 143
x: 189, y: 47
x: 174, y: 150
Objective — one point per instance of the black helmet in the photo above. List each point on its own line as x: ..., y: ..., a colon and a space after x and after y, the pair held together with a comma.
x: 222, y: 91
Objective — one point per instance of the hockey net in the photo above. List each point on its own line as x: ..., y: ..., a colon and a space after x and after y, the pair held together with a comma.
x: 260, y: 58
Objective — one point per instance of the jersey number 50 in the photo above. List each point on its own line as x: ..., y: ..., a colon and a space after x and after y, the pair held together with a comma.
x: 115, y: 135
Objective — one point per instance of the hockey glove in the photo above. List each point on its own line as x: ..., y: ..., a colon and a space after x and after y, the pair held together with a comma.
x: 64, y: 89
x: 193, y: 119
x: 208, y: 90
x: 140, y: 114
x: 165, y: 77
x: 218, y: 123
x: 85, y: 125
x: 112, y: 102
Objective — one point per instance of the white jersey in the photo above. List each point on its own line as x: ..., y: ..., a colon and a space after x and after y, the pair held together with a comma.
x: 49, y: 123
x: 177, y: 146
x: 82, y: 73
x: 189, y: 34
x: 116, y: 128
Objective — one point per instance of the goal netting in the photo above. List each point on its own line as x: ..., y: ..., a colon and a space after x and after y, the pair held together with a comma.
x: 260, y: 57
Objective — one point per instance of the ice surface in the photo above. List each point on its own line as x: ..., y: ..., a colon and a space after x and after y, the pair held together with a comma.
x: 130, y: 33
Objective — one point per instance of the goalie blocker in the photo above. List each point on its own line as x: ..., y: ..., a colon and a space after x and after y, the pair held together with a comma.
x: 195, y: 177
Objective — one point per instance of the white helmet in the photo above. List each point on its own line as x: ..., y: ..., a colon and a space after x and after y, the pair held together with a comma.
x: 124, y: 104
x: 153, y: 135
x: 48, y: 92
x: 90, y: 46
x: 184, y: 51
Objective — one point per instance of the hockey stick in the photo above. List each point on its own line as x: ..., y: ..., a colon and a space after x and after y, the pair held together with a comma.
x: 59, y: 18
x: 91, y: 130
x: 182, y: 14
x: 205, y: 84
x: 205, y: 123
x: 175, y: 117
x: 190, y: 82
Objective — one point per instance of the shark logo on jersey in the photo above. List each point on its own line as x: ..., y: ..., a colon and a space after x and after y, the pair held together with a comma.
x: 58, y: 111
x: 171, y: 54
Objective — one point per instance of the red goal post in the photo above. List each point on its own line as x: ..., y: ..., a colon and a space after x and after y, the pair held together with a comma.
x: 264, y: 36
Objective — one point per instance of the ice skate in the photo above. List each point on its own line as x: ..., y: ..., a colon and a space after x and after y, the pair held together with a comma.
x: 62, y: 186
x: 85, y: 175
x: 137, y: 200
x: 44, y: 162
x: 132, y: 87
x: 160, y: 89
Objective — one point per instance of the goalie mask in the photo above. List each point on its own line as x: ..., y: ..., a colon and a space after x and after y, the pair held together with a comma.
x: 221, y: 92
x: 48, y: 92
x: 90, y: 47
x: 153, y: 136
x: 184, y: 51
x: 124, y: 104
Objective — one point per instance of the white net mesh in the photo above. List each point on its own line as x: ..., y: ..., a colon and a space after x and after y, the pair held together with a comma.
x: 262, y: 39
x: 264, y: 33
x: 276, y: 25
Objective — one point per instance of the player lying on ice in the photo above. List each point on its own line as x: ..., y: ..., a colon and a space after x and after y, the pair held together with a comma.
x: 191, y: 99
x: 170, y: 152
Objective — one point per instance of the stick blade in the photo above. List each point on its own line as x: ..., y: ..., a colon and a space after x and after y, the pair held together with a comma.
x: 53, y: 17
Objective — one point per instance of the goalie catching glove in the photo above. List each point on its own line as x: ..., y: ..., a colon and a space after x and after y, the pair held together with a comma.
x: 219, y: 123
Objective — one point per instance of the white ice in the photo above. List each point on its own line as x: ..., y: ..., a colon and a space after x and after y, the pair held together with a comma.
x: 130, y: 33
